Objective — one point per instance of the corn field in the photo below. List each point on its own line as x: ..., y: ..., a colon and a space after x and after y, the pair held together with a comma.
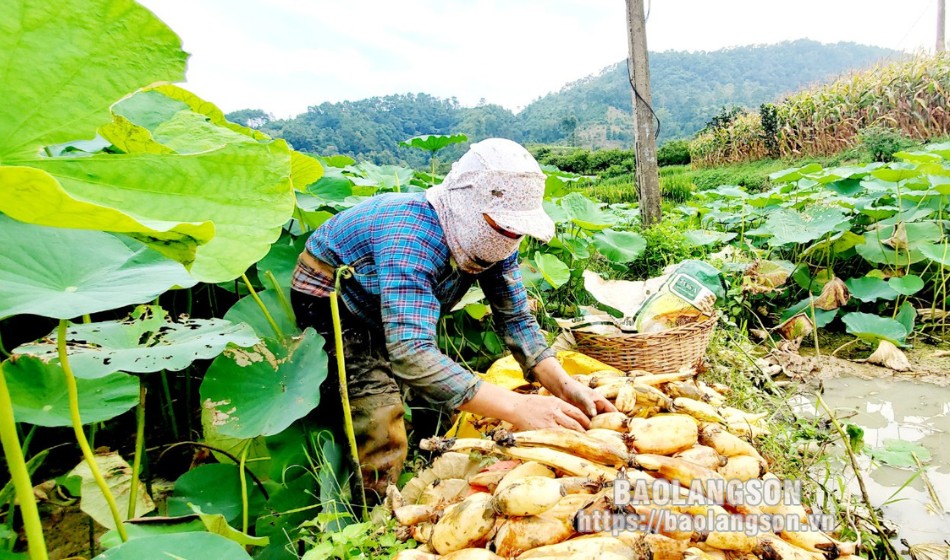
x: 909, y: 96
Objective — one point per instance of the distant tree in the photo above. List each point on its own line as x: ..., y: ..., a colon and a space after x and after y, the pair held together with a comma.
x: 251, y: 118
x: 569, y: 128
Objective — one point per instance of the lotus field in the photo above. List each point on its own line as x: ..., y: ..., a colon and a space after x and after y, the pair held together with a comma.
x: 154, y: 375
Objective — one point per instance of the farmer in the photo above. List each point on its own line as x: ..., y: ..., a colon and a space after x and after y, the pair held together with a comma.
x: 412, y: 256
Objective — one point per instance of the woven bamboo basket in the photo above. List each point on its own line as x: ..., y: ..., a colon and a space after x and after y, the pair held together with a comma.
x: 660, y: 352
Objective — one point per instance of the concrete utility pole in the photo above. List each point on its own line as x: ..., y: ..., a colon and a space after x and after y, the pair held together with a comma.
x: 648, y: 175
x: 941, y: 25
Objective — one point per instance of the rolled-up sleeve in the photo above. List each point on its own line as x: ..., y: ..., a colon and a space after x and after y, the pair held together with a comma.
x: 410, y: 313
x: 508, y: 298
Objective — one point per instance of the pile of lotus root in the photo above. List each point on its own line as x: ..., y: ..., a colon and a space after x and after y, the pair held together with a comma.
x: 520, y: 495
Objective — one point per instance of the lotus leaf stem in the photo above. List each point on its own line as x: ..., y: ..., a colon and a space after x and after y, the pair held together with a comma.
x: 90, y: 458
x: 267, y: 315
x: 20, y: 475
x: 171, y: 418
x: 243, y: 476
x: 280, y: 294
x: 139, y: 446
x: 344, y: 392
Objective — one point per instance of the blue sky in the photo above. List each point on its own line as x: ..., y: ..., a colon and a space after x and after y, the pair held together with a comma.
x: 285, y: 55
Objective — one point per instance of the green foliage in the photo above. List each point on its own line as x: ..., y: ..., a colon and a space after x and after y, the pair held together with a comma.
x: 353, y: 542
x: 666, y: 244
x: 674, y: 152
x: 725, y: 117
x: 881, y: 143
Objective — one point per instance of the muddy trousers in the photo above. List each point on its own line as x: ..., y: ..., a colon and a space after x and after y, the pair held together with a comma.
x: 375, y: 400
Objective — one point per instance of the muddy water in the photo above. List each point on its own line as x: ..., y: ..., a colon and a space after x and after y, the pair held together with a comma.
x: 889, y: 408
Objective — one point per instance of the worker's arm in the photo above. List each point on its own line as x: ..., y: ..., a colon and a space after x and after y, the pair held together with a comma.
x: 405, y: 270
x: 524, y: 412
x: 509, y: 300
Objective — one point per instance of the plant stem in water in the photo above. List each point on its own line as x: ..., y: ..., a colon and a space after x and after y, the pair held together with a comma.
x: 888, y: 547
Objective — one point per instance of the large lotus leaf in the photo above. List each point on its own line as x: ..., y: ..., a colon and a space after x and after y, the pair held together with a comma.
x: 794, y: 173
x: 790, y: 226
x: 214, y: 488
x: 151, y: 527
x: 136, y: 115
x: 246, y: 310
x: 388, y: 177
x: 290, y: 504
x: 900, y: 453
x: 837, y: 243
x: 433, y: 142
x: 34, y: 196
x: 144, y: 342
x: 257, y: 456
x: 892, y: 175
x: 64, y: 63
x: 243, y: 187
x: 900, y: 244
x: 39, y: 395
x: 939, y: 253
x: 845, y: 187
x: 555, y: 212
x: 117, y: 474
x: 619, y: 246
x: 703, y: 237
x: 181, y: 546
x: 822, y: 317
x: 280, y: 261
x: 727, y: 191
x: 552, y: 269
x: 331, y: 190
x: 261, y: 391
x: 906, y: 285
x: 531, y: 276
x: 65, y: 273
x: 907, y: 316
x: 585, y: 213
x: 870, y: 289
x: 872, y: 328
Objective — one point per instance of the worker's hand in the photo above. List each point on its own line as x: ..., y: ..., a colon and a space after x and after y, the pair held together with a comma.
x: 536, y: 411
x: 553, y: 377
x: 583, y: 397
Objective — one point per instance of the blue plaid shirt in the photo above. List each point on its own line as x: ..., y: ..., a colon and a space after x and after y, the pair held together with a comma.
x: 404, y: 280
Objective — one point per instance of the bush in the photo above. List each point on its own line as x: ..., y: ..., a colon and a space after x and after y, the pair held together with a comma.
x: 666, y: 245
x: 881, y: 143
x: 674, y: 152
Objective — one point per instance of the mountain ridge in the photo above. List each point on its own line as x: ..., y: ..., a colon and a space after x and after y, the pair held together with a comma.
x: 595, y: 111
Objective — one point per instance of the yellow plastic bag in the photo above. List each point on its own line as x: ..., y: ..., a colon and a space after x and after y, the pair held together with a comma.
x: 507, y: 373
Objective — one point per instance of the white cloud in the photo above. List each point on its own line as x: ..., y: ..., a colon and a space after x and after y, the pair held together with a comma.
x: 285, y: 55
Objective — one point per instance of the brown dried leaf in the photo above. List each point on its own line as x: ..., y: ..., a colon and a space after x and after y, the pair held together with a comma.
x: 898, y: 240
x: 834, y: 295
x: 763, y: 277
x: 889, y: 356
x: 796, y: 328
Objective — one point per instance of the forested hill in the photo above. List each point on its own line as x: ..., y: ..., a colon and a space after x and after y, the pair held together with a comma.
x: 688, y: 90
